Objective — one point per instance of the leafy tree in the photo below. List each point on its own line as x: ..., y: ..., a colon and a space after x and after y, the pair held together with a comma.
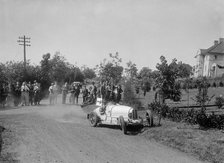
x: 88, y: 72
x: 2, y: 73
x: 131, y: 70
x: 166, y: 80
x: 46, y: 76
x: 111, y: 70
x: 145, y: 76
x: 59, y: 67
x: 184, y: 70
x: 14, y: 71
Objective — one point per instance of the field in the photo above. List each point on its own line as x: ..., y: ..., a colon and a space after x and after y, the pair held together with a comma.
x: 187, y: 99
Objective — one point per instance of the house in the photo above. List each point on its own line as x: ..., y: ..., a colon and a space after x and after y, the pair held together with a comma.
x: 210, y: 62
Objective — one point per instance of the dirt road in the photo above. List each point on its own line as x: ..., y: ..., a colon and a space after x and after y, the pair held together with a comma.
x: 61, y: 134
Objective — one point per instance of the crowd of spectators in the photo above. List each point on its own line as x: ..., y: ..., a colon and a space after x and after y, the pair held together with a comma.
x: 90, y: 93
x: 24, y: 94
x: 28, y: 93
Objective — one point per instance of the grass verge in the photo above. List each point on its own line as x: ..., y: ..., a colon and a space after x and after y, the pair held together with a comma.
x: 207, y: 145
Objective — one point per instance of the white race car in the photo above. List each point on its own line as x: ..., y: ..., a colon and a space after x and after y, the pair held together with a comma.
x: 115, y: 114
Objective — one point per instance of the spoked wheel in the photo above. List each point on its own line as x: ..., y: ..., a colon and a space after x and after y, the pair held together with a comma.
x: 123, y: 124
x: 93, y: 119
x: 149, y: 118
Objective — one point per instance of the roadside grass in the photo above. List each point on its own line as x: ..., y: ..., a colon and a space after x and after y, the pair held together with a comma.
x: 205, y: 144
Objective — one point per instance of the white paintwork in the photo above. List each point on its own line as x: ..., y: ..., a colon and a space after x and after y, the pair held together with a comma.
x: 113, y: 112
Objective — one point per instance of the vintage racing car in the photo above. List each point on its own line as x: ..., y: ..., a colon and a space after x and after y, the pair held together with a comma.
x: 115, y: 114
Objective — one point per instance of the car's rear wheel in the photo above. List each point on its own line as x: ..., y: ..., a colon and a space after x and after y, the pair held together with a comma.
x: 93, y: 119
x: 149, y: 117
x: 123, y: 124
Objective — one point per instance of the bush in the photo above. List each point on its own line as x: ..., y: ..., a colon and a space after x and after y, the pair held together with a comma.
x: 221, y: 84
x: 219, y: 101
x: 174, y: 114
x: 214, y: 84
x: 210, y: 121
x: 158, y: 108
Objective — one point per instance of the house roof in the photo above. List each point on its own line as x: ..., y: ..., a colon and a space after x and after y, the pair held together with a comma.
x: 216, y: 48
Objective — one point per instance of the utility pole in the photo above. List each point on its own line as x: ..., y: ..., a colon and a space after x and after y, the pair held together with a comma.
x: 24, y: 41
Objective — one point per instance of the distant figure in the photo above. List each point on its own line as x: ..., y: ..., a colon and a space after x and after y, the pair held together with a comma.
x: 51, y: 94
x: 25, y: 94
x: 36, y: 89
x: 85, y: 93
x: 119, y: 92
x: 76, y: 93
x: 94, y: 92
x: 103, y: 90
x: 30, y: 86
x: 91, y: 95
x: 17, y: 94
x: 72, y: 97
x: 64, y: 92
x: 55, y: 92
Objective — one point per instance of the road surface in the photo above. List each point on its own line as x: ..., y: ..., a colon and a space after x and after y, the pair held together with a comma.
x: 61, y: 134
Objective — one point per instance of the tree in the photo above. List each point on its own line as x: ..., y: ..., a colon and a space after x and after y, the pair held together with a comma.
x: 145, y: 76
x: 14, y: 71
x: 185, y: 70
x: 88, y: 72
x: 46, y: 76
x: 131, y: 70
x: 59, y: 67
x: 110, y: 70
x: 166, y: 81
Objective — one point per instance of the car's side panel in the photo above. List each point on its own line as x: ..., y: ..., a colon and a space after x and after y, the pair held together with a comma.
x: 120, y: 110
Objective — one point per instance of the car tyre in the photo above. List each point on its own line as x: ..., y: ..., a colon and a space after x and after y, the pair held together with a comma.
x: 149, y: 118
x: 93, y: 119
x: 123, y: 124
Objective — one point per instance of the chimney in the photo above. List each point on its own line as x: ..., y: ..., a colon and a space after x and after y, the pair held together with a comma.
x: 221, y: 39
x: 216, y: 42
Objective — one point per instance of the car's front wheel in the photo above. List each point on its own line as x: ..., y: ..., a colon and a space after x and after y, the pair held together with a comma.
x: 93, y: 119
x: 123, y: 124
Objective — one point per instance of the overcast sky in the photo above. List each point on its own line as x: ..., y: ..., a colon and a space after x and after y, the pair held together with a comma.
x: 86, y: 31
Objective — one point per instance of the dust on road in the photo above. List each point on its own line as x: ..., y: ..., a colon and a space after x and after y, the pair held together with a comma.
x: 61, y: 133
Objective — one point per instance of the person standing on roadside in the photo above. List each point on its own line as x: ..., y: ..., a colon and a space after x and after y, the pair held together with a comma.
x: 85, y: 93
x: 30, y: 86
x: 77, y: 92
x: 103, y: 90
x: 25, y: 94
x: 64, y: 92
x: 36, y: 90
x: 56, y: 91
x: 51, y: 94
x: 94, y: 92
x: 73, y: 94
x: 17, y: 94
x: 119, y: 92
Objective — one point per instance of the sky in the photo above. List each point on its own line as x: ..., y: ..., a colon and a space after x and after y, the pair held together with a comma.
x: 86, y: 31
